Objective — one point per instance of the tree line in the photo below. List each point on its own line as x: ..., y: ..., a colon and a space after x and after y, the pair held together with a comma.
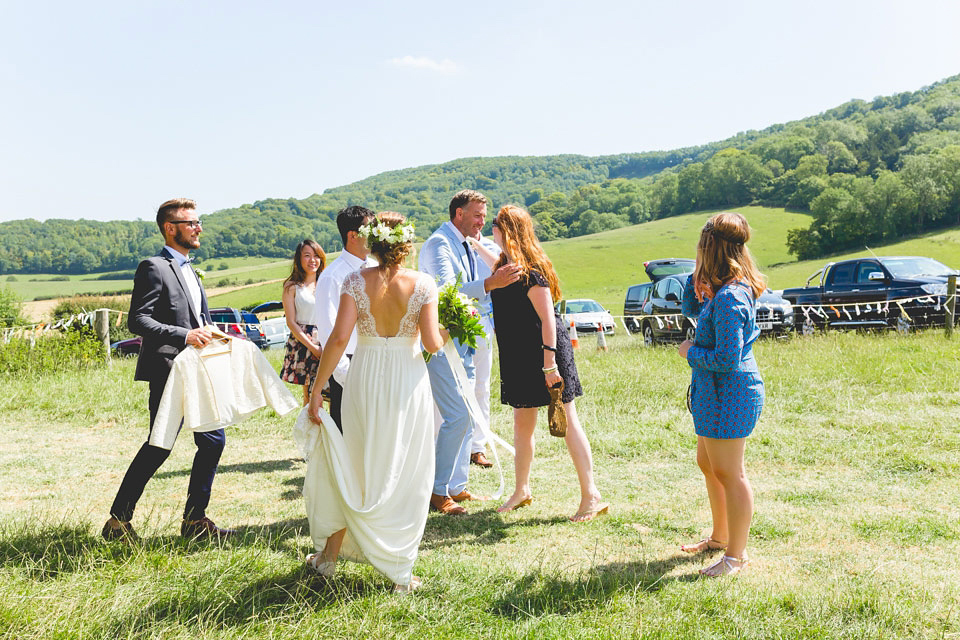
x: 867, y: 171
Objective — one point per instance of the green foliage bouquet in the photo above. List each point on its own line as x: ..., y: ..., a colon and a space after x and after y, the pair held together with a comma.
x: 458, y: 316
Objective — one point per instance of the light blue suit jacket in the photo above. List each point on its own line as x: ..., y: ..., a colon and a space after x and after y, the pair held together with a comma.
x: 443, y: 257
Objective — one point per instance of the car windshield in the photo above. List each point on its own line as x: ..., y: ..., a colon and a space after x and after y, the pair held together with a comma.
x: 249, y: 318
x: 583, y: 306
x: 660, y: 270
x: 910, y: 267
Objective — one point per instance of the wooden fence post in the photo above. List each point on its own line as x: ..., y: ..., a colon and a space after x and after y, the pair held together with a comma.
x: 951, y: 303
x: 101, y: 324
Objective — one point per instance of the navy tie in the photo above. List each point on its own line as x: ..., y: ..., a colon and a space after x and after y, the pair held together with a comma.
x: 466, y: 247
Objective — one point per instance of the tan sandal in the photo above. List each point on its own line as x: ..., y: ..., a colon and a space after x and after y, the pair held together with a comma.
x: 586, y: 516
x: 725, y: 567
x: 707, y: 544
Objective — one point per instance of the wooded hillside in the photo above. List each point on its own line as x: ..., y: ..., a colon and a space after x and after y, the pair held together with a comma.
x: 869, y: 172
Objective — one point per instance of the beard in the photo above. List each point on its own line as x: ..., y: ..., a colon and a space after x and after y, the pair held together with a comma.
x: 186, y: 241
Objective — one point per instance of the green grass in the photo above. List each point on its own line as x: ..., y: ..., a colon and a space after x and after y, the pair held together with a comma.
x: 33, y: 286
x: 603, y: 265
x: 599, y: 266
x: 855, y: 466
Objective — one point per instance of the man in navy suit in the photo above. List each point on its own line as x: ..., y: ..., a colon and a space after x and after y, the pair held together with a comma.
x: 168, y: 309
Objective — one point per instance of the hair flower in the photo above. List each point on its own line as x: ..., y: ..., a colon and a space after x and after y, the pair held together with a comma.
x: 382, y: 233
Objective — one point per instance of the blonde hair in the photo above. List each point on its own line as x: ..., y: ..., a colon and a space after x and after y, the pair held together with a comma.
x: 521, y: 243
x: 723, y: 256
x: 389, y: 254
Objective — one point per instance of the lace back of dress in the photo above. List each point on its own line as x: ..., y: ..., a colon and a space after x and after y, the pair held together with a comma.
x: 355, y: 285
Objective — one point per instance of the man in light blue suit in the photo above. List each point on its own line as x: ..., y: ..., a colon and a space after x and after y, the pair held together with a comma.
x: 445, y: 255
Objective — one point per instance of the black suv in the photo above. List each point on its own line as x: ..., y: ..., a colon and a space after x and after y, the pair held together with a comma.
x: 241, y: 324
x: 638, y: 305
x: 656, y: 309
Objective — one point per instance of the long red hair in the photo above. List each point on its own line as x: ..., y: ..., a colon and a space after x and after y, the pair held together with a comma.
x: 521, y: 243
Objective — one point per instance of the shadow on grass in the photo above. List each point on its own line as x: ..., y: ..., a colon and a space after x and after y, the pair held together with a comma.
x: 264, y: 466
x: 50, y: 551
x: 539, y: 593
x: 477, y: 527
x: 297, y: 592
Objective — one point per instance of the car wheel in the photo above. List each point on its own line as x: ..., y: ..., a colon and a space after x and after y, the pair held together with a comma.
x: 649, y: 339
x: 808, y: 328
x: 690, y: 333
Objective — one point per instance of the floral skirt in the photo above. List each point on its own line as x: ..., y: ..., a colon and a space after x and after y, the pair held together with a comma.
x: 299, y: 365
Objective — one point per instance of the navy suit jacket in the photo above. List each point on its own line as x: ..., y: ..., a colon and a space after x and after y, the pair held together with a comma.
x: 161, y: 312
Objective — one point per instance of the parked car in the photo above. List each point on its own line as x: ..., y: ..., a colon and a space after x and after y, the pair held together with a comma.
x: 864, y: 293
x: 273, y: 305
x: 638, y: 296
x: 660, y: 318
x: 126, y: 348
x: 240, y: 324
x: 276, y: 330
x: 586, y: 314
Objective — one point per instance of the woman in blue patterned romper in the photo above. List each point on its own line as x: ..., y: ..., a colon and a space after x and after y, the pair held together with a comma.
x: 727, y: 390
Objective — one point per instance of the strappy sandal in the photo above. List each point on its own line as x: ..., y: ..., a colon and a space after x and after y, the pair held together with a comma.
x: 707, y: 544
x: 324, y: 569
x: 725, y: 567
x: 403, y: 589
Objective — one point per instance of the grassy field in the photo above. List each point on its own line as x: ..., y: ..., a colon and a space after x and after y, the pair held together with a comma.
x: 34, y: 286
x: 599, y: 266
x: 855, y: 465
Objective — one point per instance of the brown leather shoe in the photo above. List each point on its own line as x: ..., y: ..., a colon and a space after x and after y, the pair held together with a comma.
x: 203, y: 529
x: 465, y: 495
x: 116, y: 530
x: 480, y: 459
x: 445, y: 505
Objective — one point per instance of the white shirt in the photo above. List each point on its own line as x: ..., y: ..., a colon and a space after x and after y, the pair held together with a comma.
x: 192, y: 280
x: 327, y: 295
x: 217, y: 386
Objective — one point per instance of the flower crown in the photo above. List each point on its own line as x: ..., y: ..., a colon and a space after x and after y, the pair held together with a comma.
x: 382, y: 233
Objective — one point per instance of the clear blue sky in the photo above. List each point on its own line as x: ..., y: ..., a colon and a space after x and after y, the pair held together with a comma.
x: 109, y: 108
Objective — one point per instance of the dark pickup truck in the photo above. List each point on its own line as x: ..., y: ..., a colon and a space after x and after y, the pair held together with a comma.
x: 898, y: 292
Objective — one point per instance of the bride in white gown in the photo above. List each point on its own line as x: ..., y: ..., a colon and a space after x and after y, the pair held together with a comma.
x: 367, y: 491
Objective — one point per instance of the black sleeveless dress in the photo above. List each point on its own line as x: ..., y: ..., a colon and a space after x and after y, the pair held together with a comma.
x: 517, y: 327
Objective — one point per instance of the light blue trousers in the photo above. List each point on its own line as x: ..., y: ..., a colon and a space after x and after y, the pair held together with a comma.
x: 456, y: 428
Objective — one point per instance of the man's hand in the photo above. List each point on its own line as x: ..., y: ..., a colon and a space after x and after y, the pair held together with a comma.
x: 505, y: 275
x: 198, y: 338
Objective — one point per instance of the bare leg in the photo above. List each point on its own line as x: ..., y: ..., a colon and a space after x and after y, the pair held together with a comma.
x: 332, y: 549
x: 524, y: 422
x: 579, y: 448
x: 715, y: 492
x: 726, y: 461
x: 325, y: 562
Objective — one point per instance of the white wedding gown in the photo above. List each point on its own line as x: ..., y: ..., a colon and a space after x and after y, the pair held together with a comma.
x: 377, y: 477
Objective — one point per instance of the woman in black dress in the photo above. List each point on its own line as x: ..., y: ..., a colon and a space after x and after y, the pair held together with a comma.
x: 535, y: 354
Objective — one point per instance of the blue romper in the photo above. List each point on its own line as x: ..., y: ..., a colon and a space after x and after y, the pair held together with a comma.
x: 727, y: 393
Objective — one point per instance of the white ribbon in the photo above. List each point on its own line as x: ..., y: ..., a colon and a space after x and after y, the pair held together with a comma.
x: 469, y: 396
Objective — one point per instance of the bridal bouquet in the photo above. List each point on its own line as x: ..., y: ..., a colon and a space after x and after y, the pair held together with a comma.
x: 458, y: 316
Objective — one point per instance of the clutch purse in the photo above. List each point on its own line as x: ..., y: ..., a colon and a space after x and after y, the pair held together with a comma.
x: 556, y: 417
